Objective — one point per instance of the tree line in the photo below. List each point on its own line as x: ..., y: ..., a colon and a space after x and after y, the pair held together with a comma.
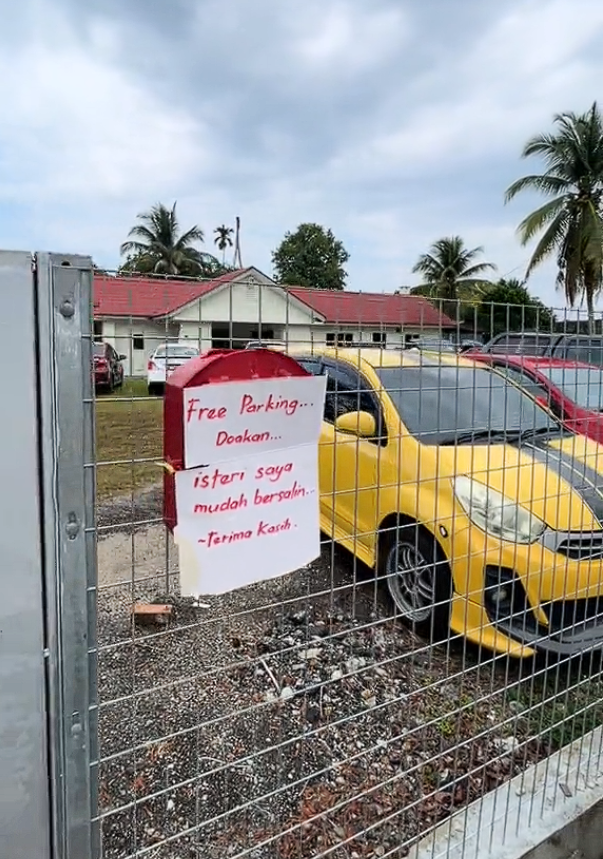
x: 156, y: 245
x: 568, y: 228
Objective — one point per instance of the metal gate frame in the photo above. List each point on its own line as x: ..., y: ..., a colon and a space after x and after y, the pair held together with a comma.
x: 47, y: 614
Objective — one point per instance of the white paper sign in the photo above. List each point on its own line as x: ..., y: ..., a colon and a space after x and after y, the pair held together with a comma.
x: 246, y: 520
x: 236, y: 419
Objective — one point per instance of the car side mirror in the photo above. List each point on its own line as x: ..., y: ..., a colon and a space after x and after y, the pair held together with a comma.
x: 361, y: 424
x: 122, y: 357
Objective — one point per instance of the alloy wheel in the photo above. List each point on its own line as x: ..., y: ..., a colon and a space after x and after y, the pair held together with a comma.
x: 411, y: 581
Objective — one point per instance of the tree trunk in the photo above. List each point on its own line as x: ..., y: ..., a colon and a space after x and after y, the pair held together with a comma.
x: 591, y: 314
x: 590, y: 305
x: 451, y: 305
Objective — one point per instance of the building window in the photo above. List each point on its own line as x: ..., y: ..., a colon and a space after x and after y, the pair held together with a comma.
x: 379, y: 337
x: 223, y: 337
x: 340, y: 338
x: 98, y: 331
x: 264, y: 334
x: 138, y: 342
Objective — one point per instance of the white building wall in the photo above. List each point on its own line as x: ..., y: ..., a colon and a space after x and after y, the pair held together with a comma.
x: 298, y: 336
x: 108, y: 333
x: 364, y: 334
x: 250, y: 303
x: 198, y: 332
x: 137, y: 338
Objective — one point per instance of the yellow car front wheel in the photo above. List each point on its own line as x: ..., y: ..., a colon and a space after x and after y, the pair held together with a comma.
x: 418, y: 579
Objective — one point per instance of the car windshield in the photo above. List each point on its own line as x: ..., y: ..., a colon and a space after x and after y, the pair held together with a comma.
x: 439, y: 403
x: 582, y: 385
x: 587, y: 351
x: 175, y: 351
x: 99, y: 350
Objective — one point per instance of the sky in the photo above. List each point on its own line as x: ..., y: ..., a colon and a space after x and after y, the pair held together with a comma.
x: 392, y: 122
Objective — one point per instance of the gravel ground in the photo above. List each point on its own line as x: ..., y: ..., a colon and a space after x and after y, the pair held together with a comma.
x: 291, y: 719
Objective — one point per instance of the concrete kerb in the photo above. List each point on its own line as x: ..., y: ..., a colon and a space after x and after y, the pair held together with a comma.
x: 533, y: 809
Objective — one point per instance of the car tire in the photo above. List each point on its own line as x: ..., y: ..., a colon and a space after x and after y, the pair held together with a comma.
x: 155, y: 389
x: 417, y: 576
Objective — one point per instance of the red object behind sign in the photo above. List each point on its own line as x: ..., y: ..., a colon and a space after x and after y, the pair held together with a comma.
x: 213, y: 367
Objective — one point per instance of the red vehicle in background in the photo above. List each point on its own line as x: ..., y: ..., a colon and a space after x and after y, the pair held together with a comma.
x: 572, y: 390
x: 108, y: 369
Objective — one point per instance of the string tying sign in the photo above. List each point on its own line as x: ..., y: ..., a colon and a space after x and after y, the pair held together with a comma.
x: 247, y: 501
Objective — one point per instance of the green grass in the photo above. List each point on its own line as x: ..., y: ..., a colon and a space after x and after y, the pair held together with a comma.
x: 129, y: 440
x: 561, y: 705
x: 130, y: 388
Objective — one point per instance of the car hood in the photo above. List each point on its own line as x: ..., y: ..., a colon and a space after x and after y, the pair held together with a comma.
x: 559, y: 479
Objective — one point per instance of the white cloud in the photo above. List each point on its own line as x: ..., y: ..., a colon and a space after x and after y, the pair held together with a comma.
x: 526, y: 67
x: 340, y: 37
x: 364, y: 115
x: 76, y: 126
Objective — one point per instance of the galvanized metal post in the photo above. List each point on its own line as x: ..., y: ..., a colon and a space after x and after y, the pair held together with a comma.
x: 24, y: 775
x: 64, y: 328
x: 47, y: 618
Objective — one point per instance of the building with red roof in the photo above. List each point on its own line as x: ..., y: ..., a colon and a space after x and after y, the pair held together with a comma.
x: 135, y: 314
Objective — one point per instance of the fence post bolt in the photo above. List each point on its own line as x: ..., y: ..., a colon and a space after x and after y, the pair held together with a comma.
x: 72, y: 528
x: 67, y: 309
x: 76, y: 726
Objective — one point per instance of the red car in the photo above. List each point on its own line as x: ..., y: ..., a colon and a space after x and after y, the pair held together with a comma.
x: 108, y: 369
x: 572, y: 390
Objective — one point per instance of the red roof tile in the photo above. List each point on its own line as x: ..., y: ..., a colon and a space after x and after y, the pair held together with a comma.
x: 373, y: 308
x: 149, y: 296
x: 154, y: 297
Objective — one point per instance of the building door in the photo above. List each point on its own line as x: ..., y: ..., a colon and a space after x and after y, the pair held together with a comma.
x: 138, y: 362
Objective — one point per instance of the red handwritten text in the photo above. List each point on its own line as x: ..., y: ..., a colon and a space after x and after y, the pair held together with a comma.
x: 271, y: 404
x: 218, y: 478
x: 264, y: 529
x: 245, y: 437
x: 273, y: 472
x: 214, y: 538
x: 223, y: 506
x: 296, y: 491
x: 213, y: 414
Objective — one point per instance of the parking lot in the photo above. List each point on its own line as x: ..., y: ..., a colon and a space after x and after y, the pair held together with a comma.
x: 295, y: 700
x: 300, y: 715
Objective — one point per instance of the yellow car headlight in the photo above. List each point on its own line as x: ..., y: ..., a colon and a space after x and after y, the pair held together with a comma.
x: 495, y: 514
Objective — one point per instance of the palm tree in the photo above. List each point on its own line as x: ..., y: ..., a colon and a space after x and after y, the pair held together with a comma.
x: 223, y: 240
x: 571, y: 223
x: 450, y: 271
x: 155, y: 245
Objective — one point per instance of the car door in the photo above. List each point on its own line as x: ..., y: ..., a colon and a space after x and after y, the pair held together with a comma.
x: 349, y: 464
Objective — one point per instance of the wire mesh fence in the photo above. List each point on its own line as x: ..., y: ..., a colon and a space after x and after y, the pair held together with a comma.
x: 443, y: 643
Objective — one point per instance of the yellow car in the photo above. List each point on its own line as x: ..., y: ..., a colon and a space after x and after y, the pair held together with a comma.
x: 480, y: 511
